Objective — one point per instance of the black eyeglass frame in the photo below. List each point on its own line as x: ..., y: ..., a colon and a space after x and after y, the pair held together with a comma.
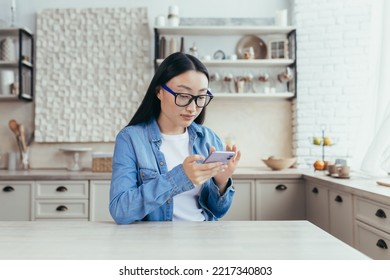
x: 193, y: 97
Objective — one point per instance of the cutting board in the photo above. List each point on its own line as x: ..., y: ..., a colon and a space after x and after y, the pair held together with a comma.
x: 384, y: 182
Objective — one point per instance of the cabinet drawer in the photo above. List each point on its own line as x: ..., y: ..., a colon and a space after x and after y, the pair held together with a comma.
x: 373, y: 213
x: 62, y: 189
x: 372, y: 242
x: 61, y: 209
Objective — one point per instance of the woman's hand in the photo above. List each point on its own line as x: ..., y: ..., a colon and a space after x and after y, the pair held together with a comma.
x: 200, y: 173
x: 221, y: 178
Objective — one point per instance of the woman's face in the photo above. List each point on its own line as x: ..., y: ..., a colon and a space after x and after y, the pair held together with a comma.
x: 174, y: 119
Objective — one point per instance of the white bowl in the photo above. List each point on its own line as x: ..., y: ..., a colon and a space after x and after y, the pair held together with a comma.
x: 279, y: 163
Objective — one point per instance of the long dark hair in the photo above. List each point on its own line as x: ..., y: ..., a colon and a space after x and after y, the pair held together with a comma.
x: 172, y: 66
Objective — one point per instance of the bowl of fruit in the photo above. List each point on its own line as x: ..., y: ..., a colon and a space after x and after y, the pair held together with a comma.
x: 279, y: 163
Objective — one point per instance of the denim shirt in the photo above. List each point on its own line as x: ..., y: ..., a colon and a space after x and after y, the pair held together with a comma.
x: 142, y: 188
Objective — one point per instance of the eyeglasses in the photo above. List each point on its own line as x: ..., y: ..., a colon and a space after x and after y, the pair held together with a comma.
x: 184, y: 99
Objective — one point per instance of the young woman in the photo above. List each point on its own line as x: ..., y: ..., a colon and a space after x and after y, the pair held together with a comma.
x: 158, y: 174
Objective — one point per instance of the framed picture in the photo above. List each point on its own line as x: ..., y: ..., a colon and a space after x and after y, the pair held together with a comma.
x: 278, y: 49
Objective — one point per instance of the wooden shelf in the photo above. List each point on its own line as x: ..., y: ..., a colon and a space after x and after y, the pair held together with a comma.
x: 13, y: 31
x: 224, y: 30
x: 275, y: 95
x: 241, y: 65
x: 8, y: 98
x: 245, y: 62
x: 15, y: 64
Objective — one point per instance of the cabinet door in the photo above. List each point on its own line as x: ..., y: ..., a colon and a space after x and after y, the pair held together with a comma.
x: 280, y: 200
x: 99, y: 201
x: 317, y: 207
x: 341, y: 216
x: 242, y: 205
x: 15, y: 201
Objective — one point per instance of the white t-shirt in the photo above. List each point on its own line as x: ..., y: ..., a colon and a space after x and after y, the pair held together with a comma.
x: 176, y: 149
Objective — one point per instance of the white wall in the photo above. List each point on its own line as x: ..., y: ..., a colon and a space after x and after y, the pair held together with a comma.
x: 333, y: 63
x: 255, y: 124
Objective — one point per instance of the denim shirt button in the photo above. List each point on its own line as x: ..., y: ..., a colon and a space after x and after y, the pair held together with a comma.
x: 169, y: 200
x: 161, y: 163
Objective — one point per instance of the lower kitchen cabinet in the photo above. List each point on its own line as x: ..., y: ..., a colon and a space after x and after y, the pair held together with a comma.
x: 341, y: 216
x: 372, y: 228
x: 99, y: 201
x: 280, y: 200
x: 330, y: 210
x: 242, y: 208
x: 16, y: 200
x: 62, y: 199
x: 267, y: 200
x: 317, y: 207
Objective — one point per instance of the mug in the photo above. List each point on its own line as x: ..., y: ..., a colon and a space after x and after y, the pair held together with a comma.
x: 344, y: 171
x: 333, y: 169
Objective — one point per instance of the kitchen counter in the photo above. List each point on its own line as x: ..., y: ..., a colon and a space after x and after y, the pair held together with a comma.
x: 361, y: 184
x: 358, y: 184
x: 62, y: 174
x: 251, y: 240
x: 53, y: 174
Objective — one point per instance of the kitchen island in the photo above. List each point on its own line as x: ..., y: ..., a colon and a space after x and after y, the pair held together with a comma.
x: 223, y: 240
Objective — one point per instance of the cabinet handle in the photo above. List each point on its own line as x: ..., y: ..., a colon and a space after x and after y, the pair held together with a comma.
x: 62, y: 208
x: 314, y: 190
x: 61, y: 189
x: 280, y: 188
x: 380, y: 213
x: 8, y: 189
x: 338, y: 199
x: 381, y: 244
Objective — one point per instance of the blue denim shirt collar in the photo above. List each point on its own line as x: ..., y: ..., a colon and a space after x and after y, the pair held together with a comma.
x: 155, y: 135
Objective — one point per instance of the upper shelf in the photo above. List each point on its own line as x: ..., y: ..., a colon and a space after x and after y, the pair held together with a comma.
x: 275, y: 95
x: 245, y: 62
x: 224, y: 30
x: 11, y: 64
x: 13, y: 31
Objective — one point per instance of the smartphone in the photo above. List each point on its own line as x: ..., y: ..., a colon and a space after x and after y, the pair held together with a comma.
x: 219, y: 156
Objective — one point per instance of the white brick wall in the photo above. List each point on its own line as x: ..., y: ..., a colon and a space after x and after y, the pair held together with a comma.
x: 333, y: 38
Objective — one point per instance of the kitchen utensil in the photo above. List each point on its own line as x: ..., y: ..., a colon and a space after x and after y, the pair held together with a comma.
x: 279, y: 163
x: 19, y: 131
x: 385, y: 183
x: 14, y: 126
x: 254, y: 42
x: 22, y: 137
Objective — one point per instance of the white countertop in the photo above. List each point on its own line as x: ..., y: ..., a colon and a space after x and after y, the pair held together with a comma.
x: 360, y: 184
x: 251, y: 240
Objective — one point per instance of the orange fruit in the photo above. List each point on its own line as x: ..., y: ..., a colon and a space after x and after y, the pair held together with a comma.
x: 326, y: 163
x: 319, y: 165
